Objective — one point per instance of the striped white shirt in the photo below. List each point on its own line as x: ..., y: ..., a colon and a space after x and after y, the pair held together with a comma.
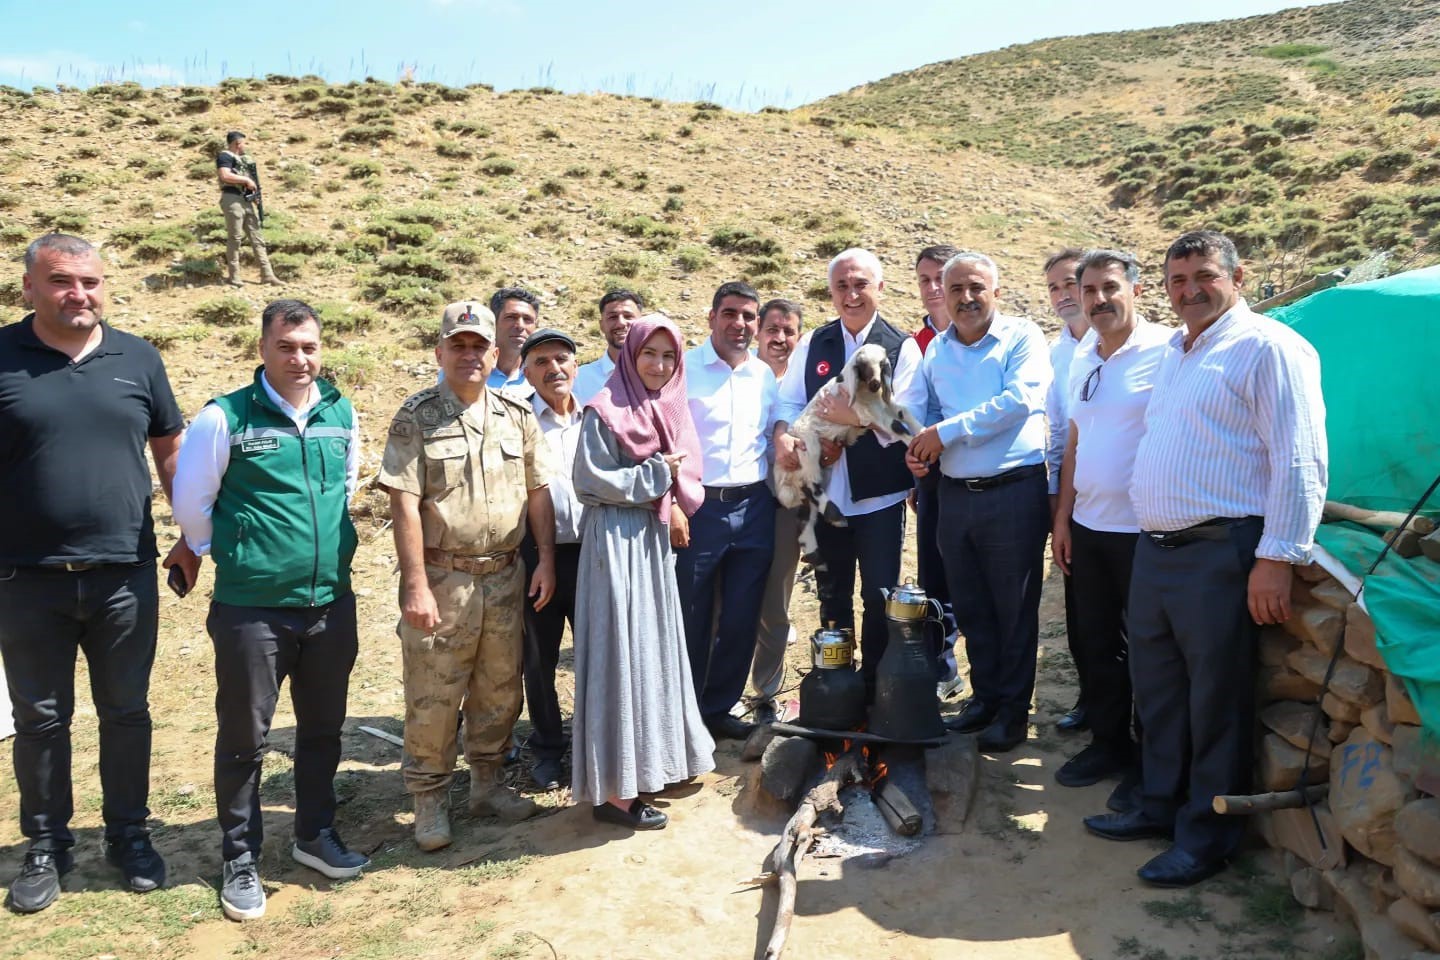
x: 1057, y: 398
x: 1236, y: 428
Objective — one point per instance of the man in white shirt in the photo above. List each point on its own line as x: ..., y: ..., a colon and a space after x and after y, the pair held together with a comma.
x: 780, y: 325
x: 867, y: 483
x: 548, y: 358
x: 986, y: 378
x: 1095, y: 526
x: 1228, y: 487
x: 724, y: 557
x: 517, y: 314
x: 1065, y: 301
x: 618, y: 309
x: 251, y: 490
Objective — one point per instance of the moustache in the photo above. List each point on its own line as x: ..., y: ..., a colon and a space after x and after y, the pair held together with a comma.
x: 1104, y: 309
x: 556, y: 378
x: 1198, y: 298
x: 970, y: 307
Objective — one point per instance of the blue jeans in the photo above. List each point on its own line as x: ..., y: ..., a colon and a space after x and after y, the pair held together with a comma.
x: 727, y: 562
x: 46, y: 616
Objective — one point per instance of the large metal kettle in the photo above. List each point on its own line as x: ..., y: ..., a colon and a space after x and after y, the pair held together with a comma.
x: 906, y: 706
x: 832, y: 694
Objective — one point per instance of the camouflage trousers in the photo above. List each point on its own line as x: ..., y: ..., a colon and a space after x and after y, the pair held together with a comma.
x: 471, y: 662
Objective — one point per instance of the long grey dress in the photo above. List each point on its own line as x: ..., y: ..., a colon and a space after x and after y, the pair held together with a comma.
x: 637, y: 722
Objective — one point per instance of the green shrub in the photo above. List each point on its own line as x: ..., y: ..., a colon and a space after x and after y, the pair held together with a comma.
x: 287, y: 266
x: 402, y: 234
x: 13, y: 233
x: 195, y: 269
x: 833, y: 243
x: 454, y: 94
x: 368, y: 133
x: 454, y: 150
x: 228, y: 311
x: 1390, y: 163
x: 75, y: 182
x: 348, y: 366
x: 306, y: 243
x: 414, y: 263
x: 655, y: 234
x: 460, y: 250
x: 577, y: 171
x: 406, y: 298
x: 498, y: 167
x: 673, y: 204
x: 335, y: 106
x: 1349, y: 160
x: 364, y: 169
x: 195, y: 104
x: 65, y: 221
x: 12, y: 292
x: 363, y: 249
x: 337, y: 317
x: 552, y: 188
x: 470, y: 128
x: 163, y: 242
x: 1295, y: 124
x: 294, y: 175
x: 308, y: 94
x: 1425, y: 171
x: 1292, y: 51
x: 628, y: 265
x: 743, y: 240
x: 430, y: 213
x: 692, y: 258
x: 200, y: 170
x: 1420, y: 103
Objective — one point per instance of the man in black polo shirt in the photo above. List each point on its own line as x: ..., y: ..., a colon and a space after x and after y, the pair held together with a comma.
x: 78, y: 402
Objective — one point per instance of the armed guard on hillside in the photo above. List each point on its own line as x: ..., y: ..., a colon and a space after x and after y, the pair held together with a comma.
x: 244, y: 208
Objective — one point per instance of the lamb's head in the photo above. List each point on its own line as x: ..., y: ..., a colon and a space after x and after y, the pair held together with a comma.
x: 871, y: 366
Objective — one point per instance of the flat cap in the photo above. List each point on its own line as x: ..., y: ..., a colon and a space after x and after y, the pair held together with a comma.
x: 546, y: 335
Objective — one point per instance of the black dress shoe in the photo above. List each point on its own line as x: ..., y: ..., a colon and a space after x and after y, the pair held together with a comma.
x: 1091, y: 765
x: 727, y: 727
x: 143, y: 869
x: 1176, y: 868
x: 1074, y: 721
x: 1127, y: 826
x: 1003, y: 734
x: 1126, y: 796
x: 972, y: 718
x: 640, y: 816
x: 546, y: 773
x: 38, y: 884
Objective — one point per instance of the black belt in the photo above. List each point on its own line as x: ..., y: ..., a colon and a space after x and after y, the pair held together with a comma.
x: 71, y: 567
x: 732, y: 494
x: 977, y: 484
x: 1216, y: 529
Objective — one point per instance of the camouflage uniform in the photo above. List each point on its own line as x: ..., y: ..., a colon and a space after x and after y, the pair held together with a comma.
x: 472, y: 468
x: 242, y: 223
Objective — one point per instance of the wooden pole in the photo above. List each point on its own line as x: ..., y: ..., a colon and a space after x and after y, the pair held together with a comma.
x: 1262, y: 802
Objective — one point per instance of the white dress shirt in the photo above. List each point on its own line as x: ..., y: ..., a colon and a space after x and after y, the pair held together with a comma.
x: 1062, y: 353
x: 1108, y: 426
x: 562, y: 434
x: 734, y: 413
x: 591, y: 377
x: 909, y: 389
x: 1236, y: 428
x: 205, y: 455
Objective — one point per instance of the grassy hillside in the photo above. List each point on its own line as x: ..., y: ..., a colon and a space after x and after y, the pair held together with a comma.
x: 1309, y: 135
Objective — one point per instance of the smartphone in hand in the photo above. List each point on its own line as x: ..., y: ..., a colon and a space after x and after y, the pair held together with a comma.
x: 176, y: 581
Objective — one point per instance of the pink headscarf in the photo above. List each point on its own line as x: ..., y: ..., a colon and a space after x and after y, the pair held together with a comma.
x: 645, y: 421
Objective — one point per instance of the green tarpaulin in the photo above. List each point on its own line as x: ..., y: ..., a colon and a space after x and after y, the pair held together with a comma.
x: 1379, y: 346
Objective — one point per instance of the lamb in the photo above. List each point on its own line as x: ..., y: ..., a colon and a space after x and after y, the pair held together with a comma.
x: 867, y: 380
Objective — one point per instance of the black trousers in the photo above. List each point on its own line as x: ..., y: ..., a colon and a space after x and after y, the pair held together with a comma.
x: 1073, y: 641
x: 46, y: 617
x: 727, y: 563
x: 543, y: 632
x: 1102, y: 564
x: 931, y: 566
x: 871, y: 541
x: 993, y: 542
x: 256, y: 649
x: 1192, y: 663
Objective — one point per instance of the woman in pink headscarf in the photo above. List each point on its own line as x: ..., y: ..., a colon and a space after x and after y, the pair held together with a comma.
x: 637, y: 469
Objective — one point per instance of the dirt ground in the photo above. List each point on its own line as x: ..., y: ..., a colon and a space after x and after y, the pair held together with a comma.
x: 1021, y: 879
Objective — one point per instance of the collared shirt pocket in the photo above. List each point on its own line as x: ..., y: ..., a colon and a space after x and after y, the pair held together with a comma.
x: 445, y: 459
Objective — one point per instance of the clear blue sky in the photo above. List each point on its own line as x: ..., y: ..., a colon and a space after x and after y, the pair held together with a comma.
x: 743, y: 53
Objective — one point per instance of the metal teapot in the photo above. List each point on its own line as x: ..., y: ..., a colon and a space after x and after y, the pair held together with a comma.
x: 906, y: 707
x: 832, y: 694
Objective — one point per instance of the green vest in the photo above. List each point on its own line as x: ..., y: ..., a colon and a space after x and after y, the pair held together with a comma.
x: 282, y: 531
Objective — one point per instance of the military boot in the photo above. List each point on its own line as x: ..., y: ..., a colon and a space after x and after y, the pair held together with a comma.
x: 232, y: 271
x: 432, y: 819
x: 490, y: 798
x: 267, y: 273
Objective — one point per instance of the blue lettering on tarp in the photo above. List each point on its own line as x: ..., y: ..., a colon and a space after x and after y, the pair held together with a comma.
x: 1348, y: 759
x: 1372, y: 760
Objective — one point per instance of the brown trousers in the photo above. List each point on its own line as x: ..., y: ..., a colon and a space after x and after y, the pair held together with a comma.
x: 242, y: 224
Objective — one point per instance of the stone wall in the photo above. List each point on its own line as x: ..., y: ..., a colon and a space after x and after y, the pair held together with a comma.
x: 1379, y: 861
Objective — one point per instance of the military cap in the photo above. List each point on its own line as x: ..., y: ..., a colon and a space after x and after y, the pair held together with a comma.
x: 468, y: 316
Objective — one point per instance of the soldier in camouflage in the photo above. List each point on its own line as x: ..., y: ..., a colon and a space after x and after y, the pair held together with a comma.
x: 239, y: 195
x: 465, y: 465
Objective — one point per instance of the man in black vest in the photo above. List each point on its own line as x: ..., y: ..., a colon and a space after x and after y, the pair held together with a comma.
x: 868, y: 482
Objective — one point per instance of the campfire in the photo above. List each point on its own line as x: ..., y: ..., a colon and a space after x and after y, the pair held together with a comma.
x: 860, y: 779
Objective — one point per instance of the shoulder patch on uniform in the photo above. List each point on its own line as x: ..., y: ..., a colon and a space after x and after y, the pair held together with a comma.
x: 521, y: 405
x: 411, y: 402
x: 400, y: 428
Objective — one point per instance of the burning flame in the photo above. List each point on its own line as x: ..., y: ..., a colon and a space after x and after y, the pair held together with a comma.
x: 874, y: 763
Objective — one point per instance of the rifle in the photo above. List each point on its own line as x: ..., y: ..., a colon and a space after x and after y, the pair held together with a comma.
x: 254, y: 195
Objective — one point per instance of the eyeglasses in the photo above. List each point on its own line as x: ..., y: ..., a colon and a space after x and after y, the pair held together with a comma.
x: 1091, y: 383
